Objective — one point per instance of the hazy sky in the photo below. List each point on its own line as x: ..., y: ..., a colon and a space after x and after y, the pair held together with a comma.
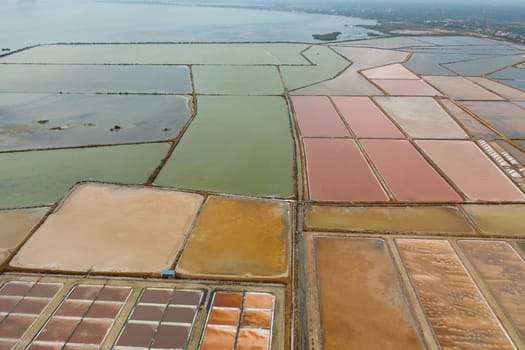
x: 430, y: 2
x: 457, y: 2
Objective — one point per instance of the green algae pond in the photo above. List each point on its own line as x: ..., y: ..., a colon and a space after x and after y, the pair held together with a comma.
x: 327, y: 64
x: 237, y: 80
x: 43, y: 177
x: 235, y: 144
x: 94, y: 79
x: 172, y: 54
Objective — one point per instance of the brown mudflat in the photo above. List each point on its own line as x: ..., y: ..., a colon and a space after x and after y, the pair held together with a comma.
x: 362, y: 305
x: 458, y: 313
x: 504, y: 273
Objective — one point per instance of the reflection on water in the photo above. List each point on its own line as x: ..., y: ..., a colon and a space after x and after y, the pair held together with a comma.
x: 31, y: 22
x: 32, y: 121
x: 26, y: 5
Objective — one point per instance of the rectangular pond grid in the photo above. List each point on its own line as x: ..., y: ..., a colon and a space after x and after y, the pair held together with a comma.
x: 85, y: 317
x: 239, y: 321
x: 74, y: 313
x: 162, y: 319
x: 21, y: 302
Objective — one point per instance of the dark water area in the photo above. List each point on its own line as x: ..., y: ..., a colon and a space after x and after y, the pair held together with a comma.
x: 31, y: 22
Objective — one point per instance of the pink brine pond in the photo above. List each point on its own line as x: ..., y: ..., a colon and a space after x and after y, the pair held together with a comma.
x: 365, y: 118
x: 407, y: 173
x: 317, y: 117
x: 337, y: 171
x: 471, y: 170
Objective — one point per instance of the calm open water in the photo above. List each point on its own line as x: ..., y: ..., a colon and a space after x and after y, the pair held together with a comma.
x: 30, y: 22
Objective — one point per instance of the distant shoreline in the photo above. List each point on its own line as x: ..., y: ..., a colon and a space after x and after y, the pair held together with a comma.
x: 504, y: 22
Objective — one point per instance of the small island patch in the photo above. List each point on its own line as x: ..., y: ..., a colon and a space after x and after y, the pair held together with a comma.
x: 327, y: 37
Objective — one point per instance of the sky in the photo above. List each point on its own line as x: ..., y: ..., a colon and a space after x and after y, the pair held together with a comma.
x: 456, y: 2
x: 430, y: 2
